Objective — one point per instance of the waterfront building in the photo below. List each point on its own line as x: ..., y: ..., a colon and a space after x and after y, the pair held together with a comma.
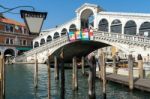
x: 14, y: 37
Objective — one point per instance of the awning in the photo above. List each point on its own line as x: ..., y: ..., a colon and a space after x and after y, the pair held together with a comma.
x: 24, y: 48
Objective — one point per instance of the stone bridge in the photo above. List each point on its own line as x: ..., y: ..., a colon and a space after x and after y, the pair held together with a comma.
x: 129, y: 32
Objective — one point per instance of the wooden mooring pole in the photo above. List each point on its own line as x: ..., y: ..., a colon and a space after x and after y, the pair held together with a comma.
x: 92, y: 76
x: 114, y: 65
x: 2, y: 79
x: 36, y: 72
x: 49, y: 78
x: 74, y: 75
x: 62, y: 94
x: 103, y: 65
x: 140, y: 66
x: 130, y: 67
x: 56, y: 71
x: 83, y: 64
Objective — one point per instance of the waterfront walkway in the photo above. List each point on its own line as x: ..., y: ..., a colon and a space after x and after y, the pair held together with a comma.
x: 142, y: 84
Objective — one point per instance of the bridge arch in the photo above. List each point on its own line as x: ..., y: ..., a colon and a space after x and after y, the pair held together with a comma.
x: 36, y: 44
x: 116, y: 26
x: 42, y: 41
x: 103, y: 25
x: 63, y: 31
x: 145, y: 29
x: 87, y: 18
x: 72, y: 28
x: 49, y: 38
x: 130, y: 27
x: 56, y: 35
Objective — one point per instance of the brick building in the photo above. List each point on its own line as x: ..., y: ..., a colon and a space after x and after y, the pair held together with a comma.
x: 14, y: 37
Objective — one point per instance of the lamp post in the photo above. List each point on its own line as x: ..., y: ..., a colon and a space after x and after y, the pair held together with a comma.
x: 34, y: 21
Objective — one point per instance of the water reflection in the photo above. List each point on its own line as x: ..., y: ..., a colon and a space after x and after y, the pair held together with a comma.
x: 19, y: 85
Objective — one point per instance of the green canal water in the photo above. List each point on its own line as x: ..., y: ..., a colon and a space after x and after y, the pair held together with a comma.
x: 19, y: 85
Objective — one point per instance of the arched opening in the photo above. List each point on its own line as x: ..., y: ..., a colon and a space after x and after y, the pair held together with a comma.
x: 36, y: 44
x: 87, y: 19
x: 49, y: 38
x: 56, y: 35
x: 72, y: 28
x: 116, y: 26
x: 103, y: 25
x: 42, y: 41
x: 145, y: 29
x: 9, y: 55
x: 130, y: 28
x: 64, y: 32
x: 9, y: 52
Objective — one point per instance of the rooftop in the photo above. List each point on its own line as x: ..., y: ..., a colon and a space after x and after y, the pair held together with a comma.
x: 10, y: 21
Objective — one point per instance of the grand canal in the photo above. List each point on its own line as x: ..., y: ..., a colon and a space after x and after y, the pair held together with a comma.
x: 19, y: 85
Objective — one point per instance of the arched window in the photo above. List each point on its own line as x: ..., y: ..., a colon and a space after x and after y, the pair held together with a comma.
x: 145, y: 29
x: 56, y: 35
x: 116, y: 26
x: 64, y: 31
x: 72, y: 28
x: 49, y: 38
x: 87, y: 19
x: 42, y: 41
x: 36, y: 44
x: 130, y: 28
x: 103, y: 25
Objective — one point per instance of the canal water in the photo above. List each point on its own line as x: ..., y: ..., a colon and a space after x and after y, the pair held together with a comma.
x: 19, y: 85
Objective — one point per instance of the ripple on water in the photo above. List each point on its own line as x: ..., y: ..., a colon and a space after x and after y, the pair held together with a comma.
x: 19, y: 85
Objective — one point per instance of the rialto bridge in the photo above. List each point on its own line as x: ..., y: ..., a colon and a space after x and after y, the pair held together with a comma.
x: 128, y: 32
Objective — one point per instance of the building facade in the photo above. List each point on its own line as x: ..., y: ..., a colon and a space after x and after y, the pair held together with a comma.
x: 14, y: 37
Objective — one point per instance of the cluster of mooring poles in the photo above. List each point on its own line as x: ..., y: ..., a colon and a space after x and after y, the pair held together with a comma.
x: 2, y: 77
x: 91, y: 78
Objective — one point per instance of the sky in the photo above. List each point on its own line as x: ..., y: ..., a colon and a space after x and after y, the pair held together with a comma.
x: 61, y: 11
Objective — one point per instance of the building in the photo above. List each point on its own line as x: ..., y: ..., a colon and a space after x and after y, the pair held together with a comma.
x: 14, y: 37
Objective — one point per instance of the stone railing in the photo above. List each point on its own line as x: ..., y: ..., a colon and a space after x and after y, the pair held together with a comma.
x: 46, y: 46
x: 111, y: 37
x: 124, y: 38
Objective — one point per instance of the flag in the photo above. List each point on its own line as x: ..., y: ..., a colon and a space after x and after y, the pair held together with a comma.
x: 78, y: 35
x: 72, y: 36
x: 91, y: 34
x: 85, y: 35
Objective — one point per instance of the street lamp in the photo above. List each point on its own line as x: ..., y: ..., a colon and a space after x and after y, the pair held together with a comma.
x: 33, y: 20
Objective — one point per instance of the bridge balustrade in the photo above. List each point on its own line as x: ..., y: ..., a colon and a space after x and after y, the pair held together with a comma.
x: 98, y: 34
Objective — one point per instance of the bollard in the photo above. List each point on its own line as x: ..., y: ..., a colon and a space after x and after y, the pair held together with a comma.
x: 130, y: 67
x: 36, y: 72
x: 56, y: 68
x: 83, y: 64
x: 140, y: 66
